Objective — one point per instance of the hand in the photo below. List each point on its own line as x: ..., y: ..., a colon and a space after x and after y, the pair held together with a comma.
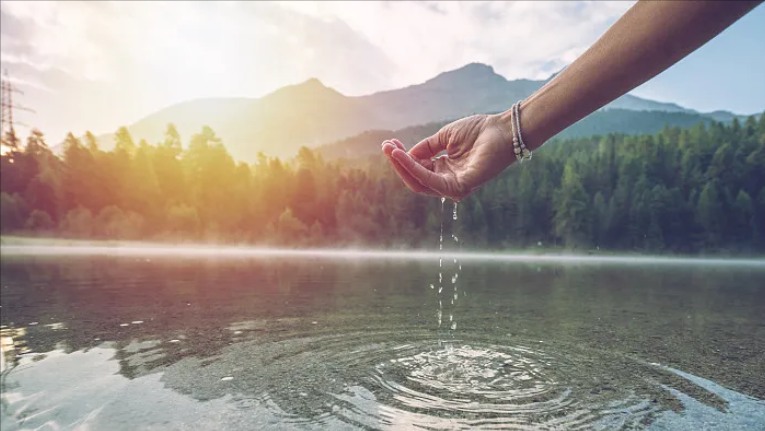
x: 477, y: 149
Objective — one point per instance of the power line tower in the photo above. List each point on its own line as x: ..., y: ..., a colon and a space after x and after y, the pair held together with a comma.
x: 7, y: 130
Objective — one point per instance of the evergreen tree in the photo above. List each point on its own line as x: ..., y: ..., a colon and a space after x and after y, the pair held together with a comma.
x: 742, y: 225
x: 572, y: 210
x: 709, y: 213
x: 695, y: 190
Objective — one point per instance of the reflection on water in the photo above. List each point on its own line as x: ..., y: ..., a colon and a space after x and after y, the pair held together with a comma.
x: 220, y: 343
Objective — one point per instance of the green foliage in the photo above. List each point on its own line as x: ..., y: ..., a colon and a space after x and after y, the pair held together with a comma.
x: 709, y: 213
x: 695, y: 190
x: 572, y: 209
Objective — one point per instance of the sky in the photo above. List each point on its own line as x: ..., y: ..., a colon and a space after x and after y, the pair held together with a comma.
x: 100, y: 65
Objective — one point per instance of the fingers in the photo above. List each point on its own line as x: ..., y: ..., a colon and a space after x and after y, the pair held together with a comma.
x: 412, y: 183
x: 427, y: 162
x: 425, y: 177
x: 428, y: 147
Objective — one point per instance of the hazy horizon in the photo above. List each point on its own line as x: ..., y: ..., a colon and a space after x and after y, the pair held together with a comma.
x: 61, y: 247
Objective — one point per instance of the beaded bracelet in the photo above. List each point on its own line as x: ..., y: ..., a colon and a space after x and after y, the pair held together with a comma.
x: 521, y: 152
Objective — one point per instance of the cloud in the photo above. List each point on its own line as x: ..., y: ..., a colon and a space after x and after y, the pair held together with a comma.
x: 517, y: 38
x: 358, y: 46
x: 142, y: 56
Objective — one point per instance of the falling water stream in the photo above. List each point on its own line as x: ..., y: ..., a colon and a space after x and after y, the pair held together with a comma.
x: 456, y: 267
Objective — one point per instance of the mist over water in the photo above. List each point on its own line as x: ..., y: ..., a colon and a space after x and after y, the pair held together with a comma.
x: 161, y: 250
x: 212, y: 338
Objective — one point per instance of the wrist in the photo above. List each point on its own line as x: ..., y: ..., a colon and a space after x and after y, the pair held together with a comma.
x: 531, y: 130
x: 531, y: 126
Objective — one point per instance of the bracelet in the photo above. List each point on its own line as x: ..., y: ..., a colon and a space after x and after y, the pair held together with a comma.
x: 521, y: 152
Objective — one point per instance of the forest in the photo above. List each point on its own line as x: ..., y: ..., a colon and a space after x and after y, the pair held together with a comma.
x: 698, y: 190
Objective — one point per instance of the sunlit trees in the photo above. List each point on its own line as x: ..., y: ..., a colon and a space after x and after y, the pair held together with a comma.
x: 78, y: 223
x: 696, y: 190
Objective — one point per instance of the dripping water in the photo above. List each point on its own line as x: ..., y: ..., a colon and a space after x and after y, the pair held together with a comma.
x: 456, y: 267
x: 441, y: 219
x: 440, y: 261
x: 456, y: 274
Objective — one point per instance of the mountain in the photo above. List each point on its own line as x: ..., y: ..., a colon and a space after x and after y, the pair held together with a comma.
x: 279, y: 123
x: 602, y: 122
x: 312, y: 114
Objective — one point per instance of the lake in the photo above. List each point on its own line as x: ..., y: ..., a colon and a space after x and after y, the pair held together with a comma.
x: 167, y: 339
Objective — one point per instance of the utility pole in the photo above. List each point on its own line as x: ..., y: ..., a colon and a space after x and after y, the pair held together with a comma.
x: 7, y: 131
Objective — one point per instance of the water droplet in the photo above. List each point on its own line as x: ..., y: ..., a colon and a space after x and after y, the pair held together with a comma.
x: 431, y: 286
x: 226, y: 379
x: 454, y: 326
x: 124, y: 324
x: 175, y: 341
x: 454, y: 213
x: 137, y: 322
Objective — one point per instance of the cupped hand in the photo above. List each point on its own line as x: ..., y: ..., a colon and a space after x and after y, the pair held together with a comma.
x: 477, y: 149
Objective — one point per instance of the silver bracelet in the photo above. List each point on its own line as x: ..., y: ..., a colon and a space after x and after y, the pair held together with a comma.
x: 519, y: 147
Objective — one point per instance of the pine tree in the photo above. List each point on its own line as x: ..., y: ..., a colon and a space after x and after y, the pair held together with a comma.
x: 709, y: 213
x: 79, y: 180
x: 600, y: 220
x: 572, y: 210
x: 743, y: 220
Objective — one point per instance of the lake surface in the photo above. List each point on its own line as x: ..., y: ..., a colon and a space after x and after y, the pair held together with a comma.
x: 258, y: 341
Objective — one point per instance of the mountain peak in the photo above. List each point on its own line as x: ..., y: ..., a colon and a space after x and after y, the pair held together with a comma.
x: 470, y: 73
x: 477, y: 68
x: 311, y: 88
x: 312, y: 83
x: 473, y: 70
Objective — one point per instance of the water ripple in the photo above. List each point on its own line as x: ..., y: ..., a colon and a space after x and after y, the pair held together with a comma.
x: 372, y: 380
x: 388, y: 380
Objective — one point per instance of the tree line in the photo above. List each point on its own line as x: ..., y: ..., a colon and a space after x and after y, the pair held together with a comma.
x: 694, y: 190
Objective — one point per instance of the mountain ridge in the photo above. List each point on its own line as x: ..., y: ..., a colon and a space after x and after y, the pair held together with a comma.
x: 311, y: 114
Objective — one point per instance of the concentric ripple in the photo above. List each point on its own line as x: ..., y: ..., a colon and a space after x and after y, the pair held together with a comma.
x: 401, y: 380
x: 488, y: 379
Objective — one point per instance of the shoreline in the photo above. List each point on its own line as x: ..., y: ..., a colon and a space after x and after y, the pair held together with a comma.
x: 21, y: 246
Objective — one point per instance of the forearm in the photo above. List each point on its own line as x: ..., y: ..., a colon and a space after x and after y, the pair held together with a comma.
x: 649, y: 38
